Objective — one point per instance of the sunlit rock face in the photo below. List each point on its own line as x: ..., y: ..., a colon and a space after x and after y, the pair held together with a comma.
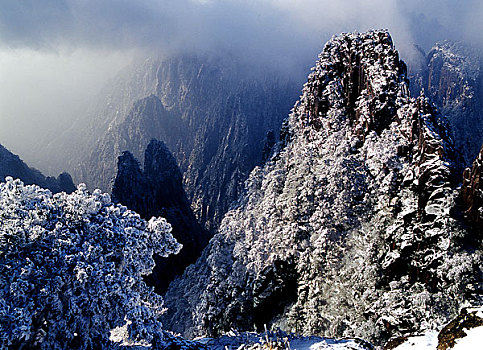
x: 349, y: 228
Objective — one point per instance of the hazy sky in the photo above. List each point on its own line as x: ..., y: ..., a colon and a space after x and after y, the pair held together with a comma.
x: 56, y: 54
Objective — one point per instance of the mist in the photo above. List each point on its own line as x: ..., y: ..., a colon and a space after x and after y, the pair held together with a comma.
x: 55, y: 55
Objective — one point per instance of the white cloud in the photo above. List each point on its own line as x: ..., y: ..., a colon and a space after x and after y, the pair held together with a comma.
x: 54, y: 52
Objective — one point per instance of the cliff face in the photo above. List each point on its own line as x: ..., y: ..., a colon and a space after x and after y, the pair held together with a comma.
x: 453, y: 80
x: 212, y: 113
x: 472, y: 195
x: 12, y: 165
x: 348, y: 229
x: 157, y: 191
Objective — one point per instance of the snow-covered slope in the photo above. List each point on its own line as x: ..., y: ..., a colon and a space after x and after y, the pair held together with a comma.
x: 465, y: 332
x: 349, y: 229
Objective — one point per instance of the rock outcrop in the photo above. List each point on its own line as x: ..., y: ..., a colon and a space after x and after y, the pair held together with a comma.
x: 157, y: 191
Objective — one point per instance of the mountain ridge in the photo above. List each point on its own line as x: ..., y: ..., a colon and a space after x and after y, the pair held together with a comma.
x: 12, y: 165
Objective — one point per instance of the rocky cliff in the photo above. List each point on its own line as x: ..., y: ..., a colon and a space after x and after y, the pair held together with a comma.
x: 472, y: 195
x: 213, y: 114
x: 349, y: 229
x: 12, y: 165
x: 157, y: 190
x: 452, y: 78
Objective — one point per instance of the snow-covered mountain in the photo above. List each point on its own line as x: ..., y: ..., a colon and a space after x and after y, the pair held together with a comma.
x: 12, y: 165
x: 453, y: 79
x: 352, y: 228
x: 213, y: 114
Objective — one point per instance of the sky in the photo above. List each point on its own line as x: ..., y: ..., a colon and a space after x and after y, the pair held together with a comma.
x: 55, y: 55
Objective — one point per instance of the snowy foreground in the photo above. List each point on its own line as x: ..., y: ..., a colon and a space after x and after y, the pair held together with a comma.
x: 255, y: 341
x: 466, y: 332
x: 463, y: 333
x: 281, y: 341
x: 429, y: 341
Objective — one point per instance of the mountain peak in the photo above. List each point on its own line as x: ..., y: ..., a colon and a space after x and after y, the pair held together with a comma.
x: 366, y: 75
x: 158, y: 191
x: 348, y: 222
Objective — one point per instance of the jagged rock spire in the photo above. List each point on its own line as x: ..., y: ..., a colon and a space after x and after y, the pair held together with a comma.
x: 157, y: 190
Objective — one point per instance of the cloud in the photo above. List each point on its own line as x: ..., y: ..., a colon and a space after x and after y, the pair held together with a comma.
x: 55, y: 54
x: 285, y: 27
x: 264, y: 28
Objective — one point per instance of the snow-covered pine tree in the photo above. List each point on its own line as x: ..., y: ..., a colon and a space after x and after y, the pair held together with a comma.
x: 71, y: 268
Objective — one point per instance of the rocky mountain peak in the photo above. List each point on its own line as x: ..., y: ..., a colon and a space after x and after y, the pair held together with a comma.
x: 348, y: 230
x: 365, y: 71
x: 160, y: 164
x: 453, y: 80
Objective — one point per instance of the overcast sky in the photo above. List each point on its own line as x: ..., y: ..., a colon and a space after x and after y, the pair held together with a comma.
x: 56, y: 54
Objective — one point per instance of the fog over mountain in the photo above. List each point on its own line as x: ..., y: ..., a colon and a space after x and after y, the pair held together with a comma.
x: 55, y: 55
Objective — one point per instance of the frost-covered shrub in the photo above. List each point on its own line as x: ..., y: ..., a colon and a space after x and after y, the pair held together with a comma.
x: 71, y: 268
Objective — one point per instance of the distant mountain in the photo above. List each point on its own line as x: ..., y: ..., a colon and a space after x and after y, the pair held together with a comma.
x: 213, y: 113
x: 157, y: 190
x: 353, y: 227
x: 12, y: 165
x: 453, y: 79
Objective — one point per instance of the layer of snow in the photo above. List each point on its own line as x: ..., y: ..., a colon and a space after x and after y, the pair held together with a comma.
x: 472, y: 341
x: 429, y: 341
x: 255, y: 341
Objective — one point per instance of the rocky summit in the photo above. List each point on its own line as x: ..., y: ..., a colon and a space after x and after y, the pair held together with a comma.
x: 352, y: 227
